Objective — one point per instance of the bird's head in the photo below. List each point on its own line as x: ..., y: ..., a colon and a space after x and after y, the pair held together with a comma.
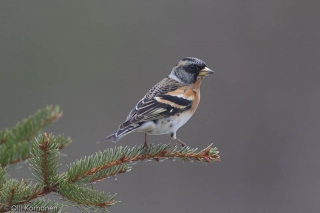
x: 189, y: 69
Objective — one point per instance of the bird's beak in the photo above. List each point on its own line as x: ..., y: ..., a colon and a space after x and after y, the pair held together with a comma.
x: 205, y: 71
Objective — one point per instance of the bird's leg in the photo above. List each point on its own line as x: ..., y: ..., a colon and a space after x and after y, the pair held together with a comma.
x: 181, y: 142
x: 174, y: 136
x: 145, y: 145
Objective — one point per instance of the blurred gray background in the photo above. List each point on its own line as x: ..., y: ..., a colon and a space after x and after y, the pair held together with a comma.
x: 96, y: 59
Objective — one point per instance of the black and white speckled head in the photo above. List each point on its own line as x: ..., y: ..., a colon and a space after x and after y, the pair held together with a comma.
x: 188, y: 70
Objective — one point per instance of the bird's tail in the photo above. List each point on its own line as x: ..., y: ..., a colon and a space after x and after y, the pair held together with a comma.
x: 118, y: 134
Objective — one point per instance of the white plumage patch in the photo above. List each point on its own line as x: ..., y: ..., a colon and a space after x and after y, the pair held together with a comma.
x: 160, y: 100
x: 190, y: 98
x: 165, y: 125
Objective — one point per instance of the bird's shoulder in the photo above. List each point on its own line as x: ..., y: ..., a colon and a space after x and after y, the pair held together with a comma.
x: 164, y: 86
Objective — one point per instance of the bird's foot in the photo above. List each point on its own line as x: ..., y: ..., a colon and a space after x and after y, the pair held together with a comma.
x: 145, y: 145
x: 183, y: 144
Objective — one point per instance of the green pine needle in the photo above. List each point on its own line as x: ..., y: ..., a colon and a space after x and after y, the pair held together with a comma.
x: 30, y: 127
x: 15, y: 192
x: 13, y: 153
x: 3, y: 178
x: 47, y: 206
x: 86, y: 199
x: 45, y: 158
x: 101, y: 164
x: 15, y: 142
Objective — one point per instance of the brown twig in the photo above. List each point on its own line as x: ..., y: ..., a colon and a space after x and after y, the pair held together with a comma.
x: 44, y: 148
x: 40, y: 193
x: 108, y: 175
x: 3, y: 140
x: 11, y: 197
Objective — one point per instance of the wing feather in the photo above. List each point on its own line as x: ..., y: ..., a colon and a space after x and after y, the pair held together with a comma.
x: 159, y: 102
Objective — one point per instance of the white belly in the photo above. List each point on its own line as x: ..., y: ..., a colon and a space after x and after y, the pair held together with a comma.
x: 165, y: 125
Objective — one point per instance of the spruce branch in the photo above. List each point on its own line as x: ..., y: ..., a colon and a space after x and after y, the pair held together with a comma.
x: 87, y: 167
x: 44, y: 165
x: 14, y: 192
x: 26, y: 194
x: 48, y: 205
x: 15, y: 143
x: 101, y: 165
x: 30, y: 127
x: 44, y: 160
x: 21, y: 151
x: 21, y: 143
x: 13, y: 153
x: 71, y: 184
x: 85, y: 198
x: 103, y: 174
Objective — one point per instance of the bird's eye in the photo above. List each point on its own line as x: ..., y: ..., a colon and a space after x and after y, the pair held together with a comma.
x: 192, y: 67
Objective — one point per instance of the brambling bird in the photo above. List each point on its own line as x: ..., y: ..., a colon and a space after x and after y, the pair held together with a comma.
x: 168, y: 105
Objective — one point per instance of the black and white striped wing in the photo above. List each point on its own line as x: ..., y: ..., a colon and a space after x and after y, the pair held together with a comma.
x: 158, y: 103
x: 159, y: 107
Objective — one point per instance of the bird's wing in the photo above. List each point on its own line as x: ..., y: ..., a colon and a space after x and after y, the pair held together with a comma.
x: 164, y: 99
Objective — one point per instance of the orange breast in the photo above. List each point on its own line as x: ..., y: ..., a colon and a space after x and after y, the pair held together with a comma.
x: 191, y: 92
